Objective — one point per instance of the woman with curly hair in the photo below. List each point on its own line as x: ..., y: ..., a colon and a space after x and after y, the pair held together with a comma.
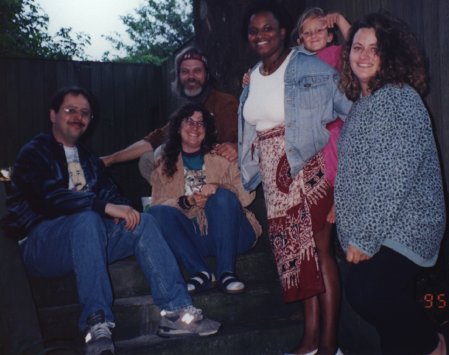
x: 199, y: 201
x: 389, y: 194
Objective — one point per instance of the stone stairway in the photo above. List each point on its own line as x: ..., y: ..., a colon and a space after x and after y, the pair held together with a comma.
x: 255, y: 322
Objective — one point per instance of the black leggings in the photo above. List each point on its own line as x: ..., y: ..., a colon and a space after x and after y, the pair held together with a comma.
x: 382, y: 291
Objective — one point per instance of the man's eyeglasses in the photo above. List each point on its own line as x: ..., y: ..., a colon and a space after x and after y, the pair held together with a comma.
x: 318, y: 31
x: 72, y: 111
x: 192, y: 123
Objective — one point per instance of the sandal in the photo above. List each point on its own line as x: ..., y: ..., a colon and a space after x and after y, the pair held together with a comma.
x: 200, y: 281
x: 229, y: 283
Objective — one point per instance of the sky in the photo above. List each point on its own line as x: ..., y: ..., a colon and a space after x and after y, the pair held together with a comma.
x: 93, y: 17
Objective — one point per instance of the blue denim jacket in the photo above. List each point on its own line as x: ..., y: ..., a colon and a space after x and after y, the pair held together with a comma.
x: 312, y: 99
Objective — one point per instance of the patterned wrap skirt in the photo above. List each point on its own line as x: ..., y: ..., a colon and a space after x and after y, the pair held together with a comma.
x: 296, y: 209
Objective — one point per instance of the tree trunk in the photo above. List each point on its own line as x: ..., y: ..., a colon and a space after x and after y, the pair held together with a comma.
x: 218, y: 32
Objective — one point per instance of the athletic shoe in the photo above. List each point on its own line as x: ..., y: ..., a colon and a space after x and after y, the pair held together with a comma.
x: 186, y: 321
x: 98, y: 337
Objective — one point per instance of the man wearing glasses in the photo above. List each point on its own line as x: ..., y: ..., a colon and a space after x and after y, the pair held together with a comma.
x: 68, y: 216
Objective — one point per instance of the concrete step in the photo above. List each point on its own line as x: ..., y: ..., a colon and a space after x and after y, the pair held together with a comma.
x: 257, y: 321
x: 138, y: 316
x: 271, y: 337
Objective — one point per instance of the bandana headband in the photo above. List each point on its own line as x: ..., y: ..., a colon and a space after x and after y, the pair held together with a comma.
x: 193, y: 54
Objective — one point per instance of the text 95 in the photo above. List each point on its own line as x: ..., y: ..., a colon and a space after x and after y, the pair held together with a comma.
x: 435, y: 300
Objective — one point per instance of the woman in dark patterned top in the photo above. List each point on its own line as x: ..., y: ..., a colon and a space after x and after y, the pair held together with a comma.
x: 389, y: 194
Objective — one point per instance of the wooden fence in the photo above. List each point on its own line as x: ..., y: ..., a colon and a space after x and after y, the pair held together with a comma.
x: 131, y: 99
x: 135, y: 98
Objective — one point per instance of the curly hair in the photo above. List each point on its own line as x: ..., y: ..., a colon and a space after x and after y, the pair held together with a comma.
x: 401, y: 58
x: 173, y: 145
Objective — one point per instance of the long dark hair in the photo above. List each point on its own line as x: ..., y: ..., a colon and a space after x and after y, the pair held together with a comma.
x: 173, y: 144
x: 401, y: 58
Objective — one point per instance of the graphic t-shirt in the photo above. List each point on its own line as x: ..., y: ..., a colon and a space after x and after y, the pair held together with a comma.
x: 194, y: 172
x: 77, y: 180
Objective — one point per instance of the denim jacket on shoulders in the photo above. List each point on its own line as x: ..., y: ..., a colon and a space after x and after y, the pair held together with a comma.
x: 312, y: 99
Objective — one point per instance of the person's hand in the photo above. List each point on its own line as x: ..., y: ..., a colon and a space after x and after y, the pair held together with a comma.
x: 332, y: 19
x: 198, y: 199
x: 337, y: 19
x: 331, y: 215
x: 246, y: 78
x: 226, y: 150
x: 208, y: 189
x: 354, y: 255
x: 127, y: 213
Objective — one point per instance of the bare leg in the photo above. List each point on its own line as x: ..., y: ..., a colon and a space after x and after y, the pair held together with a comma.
x: 329, y: 301
x: 311, y: 337
x: 324, y: 307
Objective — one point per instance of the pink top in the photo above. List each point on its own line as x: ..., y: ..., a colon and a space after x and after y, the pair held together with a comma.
x: 332, y: 56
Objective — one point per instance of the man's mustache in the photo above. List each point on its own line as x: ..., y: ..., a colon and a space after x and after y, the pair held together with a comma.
x: 79, y: 123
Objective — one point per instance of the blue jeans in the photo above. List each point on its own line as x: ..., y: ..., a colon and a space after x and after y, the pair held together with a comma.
x: 229, y: 233
x: 86, y: 243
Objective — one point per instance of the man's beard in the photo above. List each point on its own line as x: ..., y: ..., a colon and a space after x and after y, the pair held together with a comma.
x: 192, y: 93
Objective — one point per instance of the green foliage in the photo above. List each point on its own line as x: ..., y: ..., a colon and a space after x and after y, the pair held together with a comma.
x: 67, y: 45
x: 24, y: 33
x: 156, y: 30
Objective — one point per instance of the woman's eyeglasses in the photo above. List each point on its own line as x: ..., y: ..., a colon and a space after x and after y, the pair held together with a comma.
x: 192, y: 123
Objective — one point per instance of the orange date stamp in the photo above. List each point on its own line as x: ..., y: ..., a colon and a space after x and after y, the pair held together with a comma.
x: 435, y: 301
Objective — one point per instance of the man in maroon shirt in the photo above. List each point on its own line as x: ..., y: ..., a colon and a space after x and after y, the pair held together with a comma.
x: 193, y: 85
